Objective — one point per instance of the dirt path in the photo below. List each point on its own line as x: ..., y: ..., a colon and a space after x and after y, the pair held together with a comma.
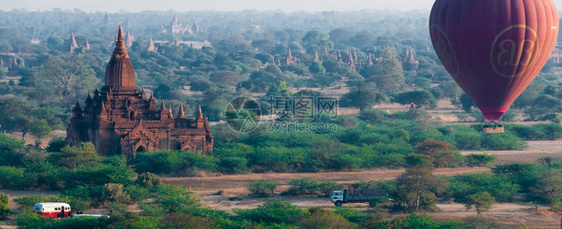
x: 228, y: 182
x: 536, y: 150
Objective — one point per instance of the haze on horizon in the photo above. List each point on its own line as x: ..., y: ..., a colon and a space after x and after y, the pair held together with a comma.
x: 217, y: 5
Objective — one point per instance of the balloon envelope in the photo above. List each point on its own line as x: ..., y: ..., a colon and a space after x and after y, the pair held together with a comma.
x: 493, y: 49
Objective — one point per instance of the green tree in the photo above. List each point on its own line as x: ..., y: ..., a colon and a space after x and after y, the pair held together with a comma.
x: 549, y: 185
x: 417, y: 186
x: 279, y: 89
x: 482, y: 201
x: 67, y: 75
x: 442, y: 153
x: 316, y: 67
x: 315, y: 40
x: 74, y: 157
x: 547, y: 102
x: 40, y: 129
x: 466, y: 102
x: 363, y: 97
x: 416, y: 99
x: 391, y: 66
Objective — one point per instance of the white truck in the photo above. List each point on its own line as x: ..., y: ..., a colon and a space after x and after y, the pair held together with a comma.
x: 355, y: 196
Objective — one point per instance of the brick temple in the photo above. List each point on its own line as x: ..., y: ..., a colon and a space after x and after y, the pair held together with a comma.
x: 120, y: 119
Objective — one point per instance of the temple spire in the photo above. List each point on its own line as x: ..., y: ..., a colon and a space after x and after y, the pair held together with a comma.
x: 151, y: 46
x: 199, y: 115
x: 170, y: 112
x: 120, y: 51
x: 316, y: 58
x: 87, y: 45
x: 181, y: 114
x: 120, y: 74
x: 73, y: 44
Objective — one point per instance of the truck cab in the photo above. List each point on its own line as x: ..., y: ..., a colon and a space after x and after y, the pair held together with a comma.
x: 337, y: 197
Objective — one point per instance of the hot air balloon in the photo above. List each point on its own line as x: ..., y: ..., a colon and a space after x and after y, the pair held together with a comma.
x: 493, y: 49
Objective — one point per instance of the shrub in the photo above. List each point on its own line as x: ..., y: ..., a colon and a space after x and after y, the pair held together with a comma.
x: 503, y: 141
x: 499, y: 186
x: 322, y: 218
x: 462, y: 137
x: 262, y: 188
x: 29, y: 219
x: 137, y: 193
x: 175, y: 198
x: 474, y: 160
x: 352, y: 214
x: 272, y: 212
x: 148, y: 180
x: 173, y: 162
x: 10, y: 177
x: 326, y: 187
x: 311, y: 186
x: 56, y: 144
x: 525, y: 132
x: 233, y: 164
x: 4, y: 210
x: 304, y: 186
x: 523, y: 174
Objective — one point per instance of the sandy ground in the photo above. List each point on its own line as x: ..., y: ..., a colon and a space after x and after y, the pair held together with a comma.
x: 536, y: 150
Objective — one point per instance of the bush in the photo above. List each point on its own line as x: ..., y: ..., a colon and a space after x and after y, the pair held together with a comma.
x: 272, y: 212
x: 311, y: 186
x: 148, y: 180
x: 474, y: 160
x: 503, y: 141
x: 462, y: 137
x: 352, y: 214
x: 499, y: 186
x: 418, y: 221
x: 4, y: 210
x: 29, y: 201
x: 29, y: 219
x: 176, y: 163
x: 233, y: 164
x: 56, y: 144
x: 525, y: 132
x: 262, y: 188
x: 10, y: 177
x: 318, y: 218
x: 523, y: 174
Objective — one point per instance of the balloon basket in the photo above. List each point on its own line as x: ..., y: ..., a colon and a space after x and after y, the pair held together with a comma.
x: 493, y: 128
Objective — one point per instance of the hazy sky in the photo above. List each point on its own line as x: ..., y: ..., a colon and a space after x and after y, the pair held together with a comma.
x: 220, y: 5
